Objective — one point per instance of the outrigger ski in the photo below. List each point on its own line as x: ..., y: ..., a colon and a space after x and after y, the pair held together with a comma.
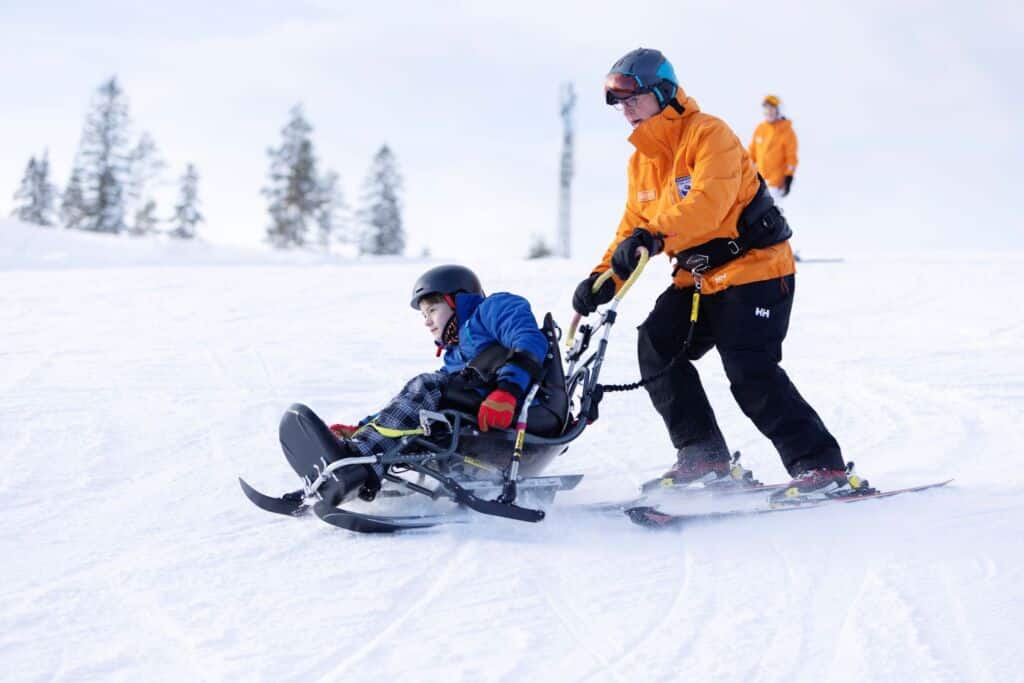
x: 652, y: 517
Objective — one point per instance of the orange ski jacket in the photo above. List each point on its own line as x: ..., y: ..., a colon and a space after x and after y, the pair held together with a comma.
x: 773, y: 151
x: 689, y: 180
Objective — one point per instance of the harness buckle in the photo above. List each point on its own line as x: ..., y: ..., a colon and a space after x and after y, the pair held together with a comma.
x: 428, y: 417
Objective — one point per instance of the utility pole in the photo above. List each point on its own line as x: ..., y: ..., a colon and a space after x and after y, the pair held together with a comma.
x: 568, y: 102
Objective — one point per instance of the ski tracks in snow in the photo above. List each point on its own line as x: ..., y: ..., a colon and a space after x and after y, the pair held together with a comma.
x: 420, y: 594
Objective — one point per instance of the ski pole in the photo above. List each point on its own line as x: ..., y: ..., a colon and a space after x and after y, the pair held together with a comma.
x: 508, y: 490
x: 644, y: 257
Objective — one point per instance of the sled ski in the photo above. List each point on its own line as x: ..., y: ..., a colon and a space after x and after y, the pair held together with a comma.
x: 383, y: 524
x: 292, y: 504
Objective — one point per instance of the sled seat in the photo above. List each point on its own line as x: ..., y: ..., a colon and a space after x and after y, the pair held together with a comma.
x: 550, y: 410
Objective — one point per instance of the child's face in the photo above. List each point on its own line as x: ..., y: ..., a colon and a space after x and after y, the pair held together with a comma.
x: 435, y: 316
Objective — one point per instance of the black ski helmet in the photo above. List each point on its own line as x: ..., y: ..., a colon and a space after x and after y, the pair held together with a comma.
x: 641, y: 71
x: 447, y: 279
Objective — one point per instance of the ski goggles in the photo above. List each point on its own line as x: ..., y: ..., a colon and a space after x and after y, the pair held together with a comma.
x: 622, y: 89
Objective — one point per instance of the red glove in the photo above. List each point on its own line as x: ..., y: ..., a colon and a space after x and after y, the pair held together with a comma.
x: 344, y: 431
x: 497, y: 410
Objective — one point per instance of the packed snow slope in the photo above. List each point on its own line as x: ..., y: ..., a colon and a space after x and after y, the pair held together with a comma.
x: 139, y: 379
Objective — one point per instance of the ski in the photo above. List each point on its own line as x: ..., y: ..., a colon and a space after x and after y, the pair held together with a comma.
x: 657, y: 496
x: 653, y: 487
x: 652, y: 517
x: 291, y: 504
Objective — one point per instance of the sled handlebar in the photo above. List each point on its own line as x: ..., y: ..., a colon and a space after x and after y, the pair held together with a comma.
x: 599, y: 282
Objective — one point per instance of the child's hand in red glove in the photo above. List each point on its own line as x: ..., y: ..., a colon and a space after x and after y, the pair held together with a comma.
x: 497, y: 410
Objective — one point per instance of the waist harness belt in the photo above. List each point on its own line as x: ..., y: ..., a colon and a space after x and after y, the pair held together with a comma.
x: 760, y: 225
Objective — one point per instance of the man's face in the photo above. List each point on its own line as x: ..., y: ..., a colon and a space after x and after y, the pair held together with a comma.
x: 639, y: 108
x: 771, y: 113
x: 435, y: 316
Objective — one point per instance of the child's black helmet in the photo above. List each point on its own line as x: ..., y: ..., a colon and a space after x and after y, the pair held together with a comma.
x: 445, y: 280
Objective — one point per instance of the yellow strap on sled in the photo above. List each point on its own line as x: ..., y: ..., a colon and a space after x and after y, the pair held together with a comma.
x: 390, y: 433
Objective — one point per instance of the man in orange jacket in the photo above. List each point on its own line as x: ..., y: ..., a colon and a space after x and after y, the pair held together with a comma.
x: 773, y: 149
x: 694, y: 195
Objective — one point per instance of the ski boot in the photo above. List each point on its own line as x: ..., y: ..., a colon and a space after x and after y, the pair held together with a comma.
x: 688, y: 472
x: 819, y: 484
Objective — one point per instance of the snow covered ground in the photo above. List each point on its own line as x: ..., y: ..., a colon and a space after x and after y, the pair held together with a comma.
x: 139, y: 379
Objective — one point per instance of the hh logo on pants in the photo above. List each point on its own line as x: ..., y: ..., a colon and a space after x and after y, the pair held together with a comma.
x: 762, y: 312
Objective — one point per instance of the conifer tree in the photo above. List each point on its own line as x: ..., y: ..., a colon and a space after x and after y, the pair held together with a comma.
x: 104, y: 161
x: 293, y: 191
x: 73, y: 210
x: 332, y: 216
x: 146, y: 168
x: 381, y: 213
x: 34, y: 200
x: 186, y: 212
x: 539, y: 248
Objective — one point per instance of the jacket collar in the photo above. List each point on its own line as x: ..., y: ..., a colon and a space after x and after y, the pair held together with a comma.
x: 660, y: 135
x: 465, y: 305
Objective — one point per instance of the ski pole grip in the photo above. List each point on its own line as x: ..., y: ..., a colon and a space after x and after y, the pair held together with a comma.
x: 645, y: 256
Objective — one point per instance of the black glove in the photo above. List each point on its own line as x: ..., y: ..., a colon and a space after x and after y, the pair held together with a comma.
x: 586, y: 300
x: 625, y: 260
x: 786, y: 185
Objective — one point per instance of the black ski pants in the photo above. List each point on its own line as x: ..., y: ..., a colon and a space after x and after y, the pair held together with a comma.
x: 747, y: 324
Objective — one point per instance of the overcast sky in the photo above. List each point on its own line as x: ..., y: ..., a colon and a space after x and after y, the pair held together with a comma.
x: 908, y: 113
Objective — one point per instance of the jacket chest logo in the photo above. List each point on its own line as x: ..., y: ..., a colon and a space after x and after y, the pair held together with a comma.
x: 646, y: 195
x: 683, y: 185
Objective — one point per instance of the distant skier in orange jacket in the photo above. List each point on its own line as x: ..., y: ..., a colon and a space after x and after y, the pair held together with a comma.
x: 773, y: 149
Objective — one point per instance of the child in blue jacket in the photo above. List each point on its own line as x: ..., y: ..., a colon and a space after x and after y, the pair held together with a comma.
x: 492, y: 349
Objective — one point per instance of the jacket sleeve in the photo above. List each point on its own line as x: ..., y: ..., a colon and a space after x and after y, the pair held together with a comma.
x: 510, y: 319
x: 717, y: 172
x: 752, y: 150
x: 790, y: 148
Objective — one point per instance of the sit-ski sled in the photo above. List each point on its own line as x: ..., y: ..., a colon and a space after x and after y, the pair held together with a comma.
x: 495, y: 473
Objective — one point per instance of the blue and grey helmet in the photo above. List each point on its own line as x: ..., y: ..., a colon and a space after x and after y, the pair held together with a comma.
x: 641, y: 71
